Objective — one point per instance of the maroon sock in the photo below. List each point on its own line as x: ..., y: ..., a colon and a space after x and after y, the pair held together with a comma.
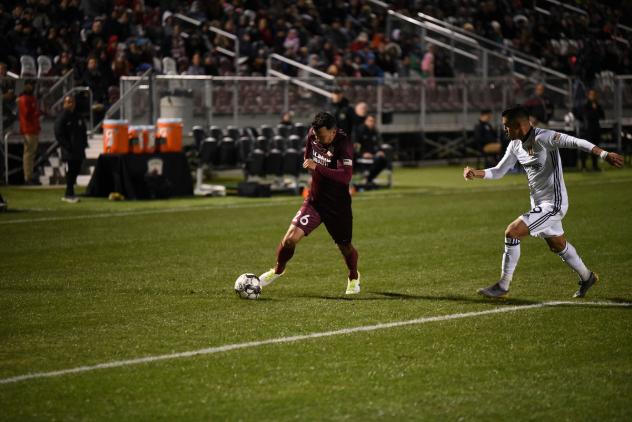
x: 351, y: 259
x: 284, y: 254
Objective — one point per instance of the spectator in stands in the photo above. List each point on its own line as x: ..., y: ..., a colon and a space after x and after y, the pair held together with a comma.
x: 8, y: 98
x: 540, y: 107
x: 63, y: 64
x: 286, y: 119
x: 70, y: 132
x: 361, y: 110
x: 292, y: 42
x: 195, y: 68
x: 342, y: 111
x: 486, y: 139
x: 590, y: 115
x: 367, y: 146
x: 428, y: 66
x: 29, y: 115
x: 98, y: 84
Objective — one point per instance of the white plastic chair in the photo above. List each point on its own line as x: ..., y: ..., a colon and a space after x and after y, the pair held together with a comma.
x: 169, y: 66
x: 44, y: 66
x: 28, y: 68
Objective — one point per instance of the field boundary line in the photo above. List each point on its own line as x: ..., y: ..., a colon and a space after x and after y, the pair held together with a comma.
x: 293, y: 339
x: 425, y: 191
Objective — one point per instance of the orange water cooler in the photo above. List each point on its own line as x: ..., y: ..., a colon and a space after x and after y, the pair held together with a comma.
x: 169, y: 135
x: 135, y: 137
x: 115, y: 136
x: 148, y: 138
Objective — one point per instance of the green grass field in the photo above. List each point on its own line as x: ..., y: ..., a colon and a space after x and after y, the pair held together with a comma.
x: 101, y: 281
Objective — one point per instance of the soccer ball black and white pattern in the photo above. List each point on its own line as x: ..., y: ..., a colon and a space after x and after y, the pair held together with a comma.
x: 247, y: 286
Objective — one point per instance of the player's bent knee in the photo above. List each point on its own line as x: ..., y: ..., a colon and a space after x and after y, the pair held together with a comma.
x: 516, y: 230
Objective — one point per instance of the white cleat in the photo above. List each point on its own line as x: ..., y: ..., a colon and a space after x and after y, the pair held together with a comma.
x: 353, y: 286
x: 70, y: 199
x: 269, y: 277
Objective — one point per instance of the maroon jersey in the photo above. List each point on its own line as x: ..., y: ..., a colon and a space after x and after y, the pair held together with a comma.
x: 334, y: 164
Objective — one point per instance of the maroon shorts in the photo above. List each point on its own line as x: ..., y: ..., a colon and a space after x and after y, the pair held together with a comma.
x: 338, y: 221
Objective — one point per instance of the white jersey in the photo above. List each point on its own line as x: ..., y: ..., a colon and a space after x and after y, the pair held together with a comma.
x: 543, y: 165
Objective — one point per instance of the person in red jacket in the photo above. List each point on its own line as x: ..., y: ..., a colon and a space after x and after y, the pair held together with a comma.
x: 29, y: 115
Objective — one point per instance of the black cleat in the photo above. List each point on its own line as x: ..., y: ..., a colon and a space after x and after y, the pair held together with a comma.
x: 494, y: 291
x: 585, y: 285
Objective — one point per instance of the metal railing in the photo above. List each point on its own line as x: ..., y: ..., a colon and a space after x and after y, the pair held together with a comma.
x: 412, y: 104
x: 572, y: 9
x: 309, y: 86
x: 65, y: 82
x: 73, y: 90
x: 124, y: 96
x: 234, y: 38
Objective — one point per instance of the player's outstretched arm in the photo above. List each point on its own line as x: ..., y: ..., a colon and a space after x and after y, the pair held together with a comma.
x: 562, y: 140
x: 470, y: 173
x: 611, y: 158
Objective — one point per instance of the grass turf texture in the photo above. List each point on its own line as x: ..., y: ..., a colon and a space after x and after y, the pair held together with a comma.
x: 100, y: 281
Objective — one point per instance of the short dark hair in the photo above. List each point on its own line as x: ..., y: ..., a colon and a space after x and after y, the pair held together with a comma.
x: 486, y: 111
x: 516, y: 112
x: 324, y: 119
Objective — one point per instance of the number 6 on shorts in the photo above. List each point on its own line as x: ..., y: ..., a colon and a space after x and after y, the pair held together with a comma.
x: 307, y: 219
x: 304, y: 220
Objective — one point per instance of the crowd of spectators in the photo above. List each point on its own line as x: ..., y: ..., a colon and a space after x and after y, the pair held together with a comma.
x: 104, y: 40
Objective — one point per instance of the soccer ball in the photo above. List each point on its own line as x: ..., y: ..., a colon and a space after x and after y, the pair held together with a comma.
x: 247, y: 286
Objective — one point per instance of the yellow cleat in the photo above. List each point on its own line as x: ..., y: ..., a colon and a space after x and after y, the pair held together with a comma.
x: 353, y: 286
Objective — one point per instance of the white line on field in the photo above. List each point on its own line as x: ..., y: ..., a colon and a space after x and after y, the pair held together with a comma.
x: 426, y: 191
x: 292, y: 339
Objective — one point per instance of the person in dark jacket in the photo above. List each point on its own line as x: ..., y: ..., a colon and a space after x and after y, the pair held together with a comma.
x: 70, y: 132
x: 368, y: 142
x: 486, y: 139
x: 590, y: 115
x: 342, y: 111
x: 540, y: 107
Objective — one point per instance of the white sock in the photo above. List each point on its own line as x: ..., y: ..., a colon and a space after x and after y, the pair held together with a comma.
x: 510, y: 260
x: 569, y: 255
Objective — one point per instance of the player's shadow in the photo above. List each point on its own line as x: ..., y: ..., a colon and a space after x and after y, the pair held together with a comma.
x: 379, y: 295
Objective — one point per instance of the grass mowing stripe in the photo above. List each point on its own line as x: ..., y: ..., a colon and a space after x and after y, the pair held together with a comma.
x: 425, y: 191
x: 291, y: 339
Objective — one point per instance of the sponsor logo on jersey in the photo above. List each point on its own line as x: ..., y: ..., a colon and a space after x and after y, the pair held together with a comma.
x: 320, y: 159
x: 347, y: 162
x: 535, y: 165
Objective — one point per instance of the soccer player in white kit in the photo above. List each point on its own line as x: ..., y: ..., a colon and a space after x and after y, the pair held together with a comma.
x: 538, y: 152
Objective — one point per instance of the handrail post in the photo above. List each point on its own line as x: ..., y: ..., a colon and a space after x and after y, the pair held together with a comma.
x: 5, y: 150
x: 618, y: 115
x: 286, y: 95
x: 152, y: 104
x: 423, y: 104
x: 380, y: 104
x: 235, y: 103
x: 208, y: 97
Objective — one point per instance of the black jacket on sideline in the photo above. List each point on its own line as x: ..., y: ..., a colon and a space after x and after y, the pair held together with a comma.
x: 70, y: 132
x: 591, y: 129
x: 369, y: 139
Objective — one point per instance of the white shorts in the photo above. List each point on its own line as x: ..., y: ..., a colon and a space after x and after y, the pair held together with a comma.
x: 544, y: 220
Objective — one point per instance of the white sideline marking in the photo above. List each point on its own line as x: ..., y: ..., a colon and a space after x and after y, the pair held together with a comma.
x: 145, y: 212
x: 279, y: 340
x: 426, y: 191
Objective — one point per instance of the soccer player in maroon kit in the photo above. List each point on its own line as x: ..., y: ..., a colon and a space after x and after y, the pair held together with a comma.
x: 329, y: 159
